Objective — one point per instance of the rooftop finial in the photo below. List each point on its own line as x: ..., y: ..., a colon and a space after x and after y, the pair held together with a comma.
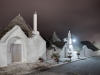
x: 54, y: 32
x: 35, y: 12
x: 69, y: 30
x: 19, y: 15
x: 35, y: 21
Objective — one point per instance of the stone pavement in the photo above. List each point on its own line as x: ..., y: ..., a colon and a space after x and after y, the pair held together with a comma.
x: 60, y: 69
x: 63, y: 61
x: 24, y: 68
x: 90, y: 66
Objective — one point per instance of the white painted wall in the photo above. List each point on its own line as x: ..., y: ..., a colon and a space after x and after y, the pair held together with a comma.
x: 62, y: 52
x: 22, y: 49
x: 19, y: 35
x: 82, y: 53
x: 74, y: 55
x: 88, y: 52
x: 9, y: 52
x: 49, y: 53
x: 36, y: 48
x: 58, y: 50
x: 11, y: 41
x: 32, y: 48
x: 7, y: 40
x: 3, y: 55
x: 96, y: 53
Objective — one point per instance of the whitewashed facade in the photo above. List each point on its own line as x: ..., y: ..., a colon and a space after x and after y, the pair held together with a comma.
x: 60, y: 51
x: 86, y: 52
x: 57, y: 46
x: 15, y: 46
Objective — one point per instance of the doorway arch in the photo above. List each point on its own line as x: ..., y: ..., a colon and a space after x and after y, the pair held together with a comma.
x: 14, y: 50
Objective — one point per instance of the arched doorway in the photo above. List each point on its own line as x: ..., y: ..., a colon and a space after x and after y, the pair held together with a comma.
x: 14, y: 50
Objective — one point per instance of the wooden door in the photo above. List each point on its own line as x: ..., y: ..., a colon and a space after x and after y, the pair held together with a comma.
x: 16, y: 52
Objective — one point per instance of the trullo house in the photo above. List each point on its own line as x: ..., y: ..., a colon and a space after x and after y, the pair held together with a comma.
x: 55, y: 45
x: 86, y: 48
x: 19, y: 43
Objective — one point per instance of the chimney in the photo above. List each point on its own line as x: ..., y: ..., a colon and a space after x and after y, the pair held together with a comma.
x: 35, y: 32
x: 35, y: 21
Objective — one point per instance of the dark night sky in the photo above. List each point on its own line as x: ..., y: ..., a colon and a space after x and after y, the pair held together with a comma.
x: 81, y: 16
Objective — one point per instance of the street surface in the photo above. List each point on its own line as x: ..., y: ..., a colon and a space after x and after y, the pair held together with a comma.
x: 89, y: 66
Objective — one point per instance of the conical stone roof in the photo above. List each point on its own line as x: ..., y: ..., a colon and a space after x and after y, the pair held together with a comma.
x: 56, y: 41
x: 54, y: 37
x: 18, y: 20
x: 89, y: 45
x: 96, y: 44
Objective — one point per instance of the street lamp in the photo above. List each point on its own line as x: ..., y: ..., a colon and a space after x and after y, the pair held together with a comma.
x: 74, y: 40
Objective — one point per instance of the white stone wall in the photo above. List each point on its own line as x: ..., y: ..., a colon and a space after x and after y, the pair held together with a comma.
x: 3, y: 55
x: 74, y: 55
x: 32, y: 48
x: 7, y: 40
x: 9, y: 49
x: 88, y: 52
x: 62, y: 52
x: 36, y: 48
x: 58, y: 50
x: 96, y: 53
x: 49, y: 53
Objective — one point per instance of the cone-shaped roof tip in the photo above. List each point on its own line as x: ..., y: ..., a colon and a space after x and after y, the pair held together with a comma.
x: 68, y: 30
x: 54, y: 37
x: 35, y: 12
x: 18, y: 14
x: 54, y: 32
